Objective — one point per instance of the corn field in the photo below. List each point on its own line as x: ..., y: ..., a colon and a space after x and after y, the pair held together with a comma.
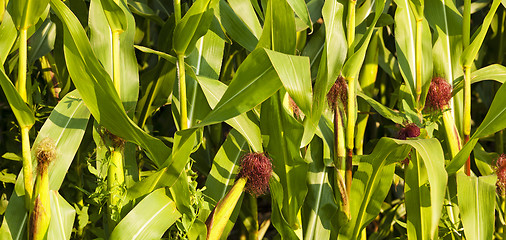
x: 252, y: 119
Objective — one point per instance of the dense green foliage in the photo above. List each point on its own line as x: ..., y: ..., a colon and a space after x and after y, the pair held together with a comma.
x: 130, y: 119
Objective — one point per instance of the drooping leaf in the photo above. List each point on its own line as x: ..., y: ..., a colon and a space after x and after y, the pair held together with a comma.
x: 494, y: 121
x: 254, y: 81
x: 65, y: 127
x: 294, y: 73
x: 384, y: 111
x: 494, y: 72
x: 23, y: 113
x: 235, y: 27
x: 100, y: 96
x: 246, y: 123
x: 244, y: 10
x: 8, y: 35
x: 300, y: 8
x: 184, y: 141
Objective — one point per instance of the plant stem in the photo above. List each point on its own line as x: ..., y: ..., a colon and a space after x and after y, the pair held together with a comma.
x: 418, y: 55
x: 116, y: 62
x: 451, y: 133
x: 350, y: 31
x: 21, y: 83
x: 25, y: 137
x: 27, y: 164
x: 466, y: 31
x: 177, y: 10
x: 467, y: 112
x: 182, y: 91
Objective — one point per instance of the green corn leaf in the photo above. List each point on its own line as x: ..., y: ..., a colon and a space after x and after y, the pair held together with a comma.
x: 246, y: 123
x: 370, y: 185
x: 8, y: 35
x: 384, y: 111
x: 114, y: 14
x: 300, y: 8
x: 101, y: 43
x: 446, y: 21
x: 62, y: 218
x: 320, y: 209
x: 26, y: 13
x: 331, y: 63
x: 477, y: 205
x: 149, y: 219
x: 42, y: 41
x: 335, y: 40
x: 100, y: 96
x: 494, y: 72
x: 422, y: 218
x: 285, y: 134
x: 23, y: 113
x: 223, y: 173
x: 228, y: 158
x: 253, y: 83
x: 294, y: 73
x: 235, y: 27
x: 405, y: 42
x: 279, y: 32
x: 65, y: 127
x: 184, y: 141
x: 354, y: 63
x: 206, y: 61
x: 471, y: 51
x: 378, y: 166
x: 15, y: 219
x: 494, y: 121
x: 244, y: 10
x: 192, y: 26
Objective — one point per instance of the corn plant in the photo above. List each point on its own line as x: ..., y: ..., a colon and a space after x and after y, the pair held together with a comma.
x: 246, y: 119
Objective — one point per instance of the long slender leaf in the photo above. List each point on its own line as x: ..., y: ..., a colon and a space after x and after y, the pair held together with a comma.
x: 246, y: 123
x: 26, y: 13
x: 494, y: 121
x: 100, y: 96
x: 320, y: 209
x: 62, y: 218
x: 253, y: 83
x: 23, y: 113
x: 477, y: 205
x: 192, y: 26
x: 284, y: 134
x: 471, y: 51
x: 223, y: 173
x: 149, y: 219
x: 101, y: 43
